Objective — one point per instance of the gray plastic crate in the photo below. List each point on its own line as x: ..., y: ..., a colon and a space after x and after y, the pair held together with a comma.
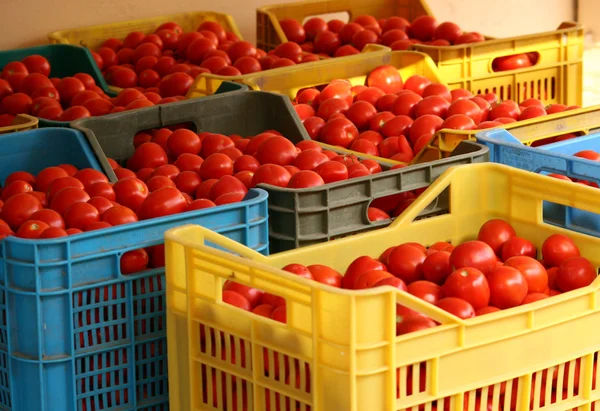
x: 297, y: 217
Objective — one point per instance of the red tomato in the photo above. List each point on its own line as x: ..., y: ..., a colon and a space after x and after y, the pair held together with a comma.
x: 588, y: 154
x: 436, y: 267
x: 53, y: 232
x: 19, y: 176
x: 358, y: 267
x: 148, y: 155
x: 533, y: 271
x: 80, y: 215
x: 507, y: 108
x: 175, y: 84
x: 432, y: 105
x: 325, y: 275
x: 486, y: 310
x: 574, y: 273
x: 426, y: 290
x: 557, y: 248
x: 305, y: 179
x: 32, y: 229
x: 298, y: 269
x: 517, y: 246
x: 37, y: 64
x: 16, y: 187
x: 417, y: 84
x: 118, y: 215
x: 386, y: 78
x: 375, y: 214
x: 156, y: 182
x: 514, y: 62
x: 508, y: 287
x: 371, y: 278
x: 293, y: 30
x: 66, y: 197
x: 189, y: 162
x: 183, y: 141
x: 130, y: 192
x: 101, y: 203
x: 226, y: 185
x: 102, y: 189
x: 89, y: 176
x: 469, y: 284
x: 50, y: 217
x: 475, y: 254
x: 162, y: 202
x: 427, y: 124
x: 61, y: 183
x: 310, y: 159
x: 134, y: 261
x: 16, y: 104
x: 19, y: 208
x: 253, y: 295
x: 216, y: 166
x: 495, y: 233
x: 405, y: 262
x: 339, y: 132
x: 456, y: 306
x: 413, y: 324
x: 276, y: 150
x: 188, y: 182
x: 271, y: 174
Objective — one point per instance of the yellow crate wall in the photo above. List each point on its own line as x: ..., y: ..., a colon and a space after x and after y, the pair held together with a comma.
x: 582, y: 121
x: 206, y: 84
x: 347, y: 338
x: 21, y: 122
x: 560, y: 64
x: 269, y: 33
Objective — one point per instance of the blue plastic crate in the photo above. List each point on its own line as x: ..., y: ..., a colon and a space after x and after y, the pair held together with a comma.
x: 547, y: 159
x: 37, y: 149
x: 76, y: 334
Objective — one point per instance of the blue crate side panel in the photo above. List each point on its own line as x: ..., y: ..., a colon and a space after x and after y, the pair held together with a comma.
x: 552, y: 158
x: 80, y: 335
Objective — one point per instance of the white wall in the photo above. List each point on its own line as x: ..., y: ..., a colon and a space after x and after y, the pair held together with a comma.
x: 26, y: 22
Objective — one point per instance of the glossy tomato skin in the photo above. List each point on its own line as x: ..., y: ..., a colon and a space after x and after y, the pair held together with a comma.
x: 495, y: 233
x: 118, y: 215
x: 426, y: 290
x: 162, y: 202
x: 574, y: 273
x: 325, y: 275
x: 131, y: 192
x: 134, y: 261
x: 469, y: 284
x: 32, y: 229
x: 19, y: 208
x: 414, y: 324
x: 558, y: 248
x: 405, y: 262
x: 456, y: 306
x: 436, y: 267
x: 476, y: 254
x: 534, y: 272
x: 508, y: 287
x: 371, y: 278
x: 517, y: 246
x: 358, y: 267
x: 66, y: 197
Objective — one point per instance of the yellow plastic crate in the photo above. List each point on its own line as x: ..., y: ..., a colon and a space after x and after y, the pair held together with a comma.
x: 269, y: 33
x: 207, y: 84
x: 582, y: 121
x: 557, y: 78
x: 92, y: 37
x: 21, y: 122
x: 347, y: 338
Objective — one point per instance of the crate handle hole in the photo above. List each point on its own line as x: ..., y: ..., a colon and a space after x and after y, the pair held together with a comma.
x: 571, y: 218
x: 344, y: 16
x: 515, y: 62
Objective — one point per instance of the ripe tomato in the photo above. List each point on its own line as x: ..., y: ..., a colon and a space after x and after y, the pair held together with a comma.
x: 19, y: 208
x: 427, y: 124
x: 588, y: 154
x: 67, y: 196
x: 102, y: 189
x: 475, y: 254
x: 436, y: 267
x: 16, y: 187
x: 189, y: 162
x: 253, y: 295
x: 456, y: 306
x: 118, y: 215
x: 32, y: 229
x: 371, y: 279
x: 101, y: 203
x: 486, y: 310
x: 574, y: 273
x: 130, y: 192
x: 339, y: 132
x: 358, y: 267
x: 216, y: 166
x: 175, y: 84
x: 417, y: 84
x: 386, y: 78
x: 375, y: 214
x: 557, y: 248
x: 426, y: 290
x: 305, y: 179
x: 80, y: 215
x: 533, y: 271
x: 293, y: 30
x: 227, y: 185
x: 508, y: 287
x: 432, y: 105
x: 495, y: 233
x: 513, y: 62
x: 517, y: 246
x: 271, y: 174
x: 37, y: 64
x: 162, y: 202
x: 19, y: 176
x: 298, y: 269
x: 148, y: 155
x: 61, y: 183
x: 325, y: 275
x: 134, y: 261
x: 276, y: 150
x: 53, y: 232
x: 469, y: 284
x: 50, y: 217
x: 310, y: 159
x: 89, y: 176
x: 413, y: 324
x: 405, y: 262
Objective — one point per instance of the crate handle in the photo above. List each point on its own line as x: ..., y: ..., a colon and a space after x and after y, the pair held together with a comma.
x: 541, y: 188
x: 191, y: 236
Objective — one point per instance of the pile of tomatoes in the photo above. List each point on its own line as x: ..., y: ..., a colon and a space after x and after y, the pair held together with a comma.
x: 392, y: 118
x: 499, y: 270
x: 25, y: 88
x: 321, y: 36
x: 170, y: 57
